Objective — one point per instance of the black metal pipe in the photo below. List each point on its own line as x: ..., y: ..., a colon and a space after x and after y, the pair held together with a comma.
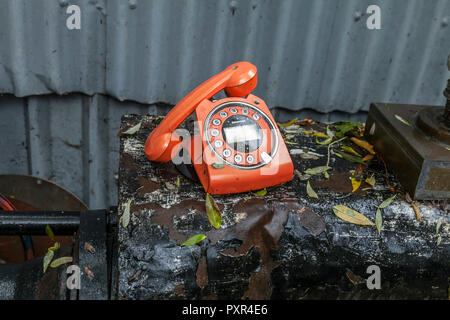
x: 34, y: 222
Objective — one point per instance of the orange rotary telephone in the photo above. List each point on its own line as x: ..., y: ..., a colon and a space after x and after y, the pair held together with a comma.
x: 241, y: 146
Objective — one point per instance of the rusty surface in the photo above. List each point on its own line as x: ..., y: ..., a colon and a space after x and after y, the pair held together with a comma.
x: 29, y: 193
x: 281, y: 245
x: 413, y: 155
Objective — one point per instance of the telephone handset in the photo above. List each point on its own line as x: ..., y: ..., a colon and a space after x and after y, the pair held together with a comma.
x: 238, y: 133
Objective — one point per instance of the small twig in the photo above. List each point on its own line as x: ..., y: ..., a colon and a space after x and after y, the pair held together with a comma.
x: 328, y: 159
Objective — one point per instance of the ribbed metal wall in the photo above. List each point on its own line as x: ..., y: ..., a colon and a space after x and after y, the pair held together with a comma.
x: 312, y: 56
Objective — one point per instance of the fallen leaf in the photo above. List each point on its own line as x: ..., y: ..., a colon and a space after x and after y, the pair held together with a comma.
x: 60, y: 261
x: 378, y: 220
x: 89, y: 273
x: 49, y: 232
x: 367, y: 158
x: 352, y: 216
x: 307, y: 156
x: 439, y: 223
x: 363, y: 144
x: 126, y: 214
x: 346, y: 127
x: 289, y: 136
x: 353, y: 277
x: 416, y: 211
x: 324, y: 142
x: 55, y: 247
x: 386, y: 202
x: 291, y: 143
x: 194, y: 240
x: 214, y: 215
x: 326, y: 175
x: 310, y: 191
x: 317, y: 170
x: 402, y: 120
x: 371, y: 181
x: 178, y: 182
x: 260, y: 193
x: 89, y: 247
x: 302, y: 177
x: 169, y: 185
x: 288, y: 124
x: 317, y: 134
x: 48, y: 258
x: 133, y: 129
x: 351, y: 150
x: 330, y: 132
x: 350, y: 158
x: 438, y: 241
x: 356, y: 183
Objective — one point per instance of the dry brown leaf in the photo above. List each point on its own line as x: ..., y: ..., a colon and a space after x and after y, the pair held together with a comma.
x: 363, y: 144
x: 88, y: 272
x: 89, y: 247
x: 367, y: 158
x: 355, y: 279
x: 416, y: 211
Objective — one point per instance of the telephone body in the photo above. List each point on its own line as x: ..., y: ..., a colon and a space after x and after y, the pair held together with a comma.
x: 242, y: 147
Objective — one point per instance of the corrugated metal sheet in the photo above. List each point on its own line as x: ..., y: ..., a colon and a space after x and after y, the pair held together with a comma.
x: 310, y: 54
x: 72, y: 140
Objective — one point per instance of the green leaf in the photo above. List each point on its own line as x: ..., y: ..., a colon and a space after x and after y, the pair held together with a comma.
x: 55, y: 247
x: 324, y: 142
x: 260, y: 193
x: 352, y: 216
x: 307, y: 156
x: 48, y: 258
x: 351, y: 150
x: 169, y: 185
x: 378, y: 220
x: 386, y: 202
x: 126, y: 214
x: 60, y: 261
x: 317, y: 170
x: 326, y: 175
x: 178, y: 182
x: 348, y: 126
x: 214, y: 215
x: 371, y: 180
x: 49, y: 232
x: 290, y: 142
x: 133, y: 129
x: 330, y: 133
x: 355, y: 183
x: 194, y: 240
x: 218, y: 165
x: 402, y: 120
x: 350, y: 158
x: 287, y: 124
x: 310, y: 191
x: 439, y: 223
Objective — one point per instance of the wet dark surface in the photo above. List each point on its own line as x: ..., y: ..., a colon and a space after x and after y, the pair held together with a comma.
x: 283, y: 245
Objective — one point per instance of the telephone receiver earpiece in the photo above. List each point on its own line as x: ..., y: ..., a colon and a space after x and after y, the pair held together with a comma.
x: 238, y: 80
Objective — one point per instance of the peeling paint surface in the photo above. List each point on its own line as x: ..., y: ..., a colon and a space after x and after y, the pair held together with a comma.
x: 280, y: 246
